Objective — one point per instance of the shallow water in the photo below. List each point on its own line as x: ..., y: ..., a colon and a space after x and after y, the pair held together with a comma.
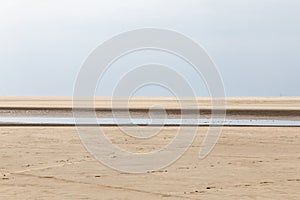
x: 144, y: 122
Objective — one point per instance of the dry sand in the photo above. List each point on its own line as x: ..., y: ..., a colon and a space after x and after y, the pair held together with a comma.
x: 247, y: 163
x: 168, y: 103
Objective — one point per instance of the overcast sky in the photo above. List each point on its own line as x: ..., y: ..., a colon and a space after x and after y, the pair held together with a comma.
x: 254, y: 43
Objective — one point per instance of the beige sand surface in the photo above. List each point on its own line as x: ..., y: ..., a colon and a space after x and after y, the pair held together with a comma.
x: 247, y: 163
x: 168, y: 103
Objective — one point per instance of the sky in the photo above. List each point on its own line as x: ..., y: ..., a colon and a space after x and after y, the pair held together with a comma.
x: 254, y: 43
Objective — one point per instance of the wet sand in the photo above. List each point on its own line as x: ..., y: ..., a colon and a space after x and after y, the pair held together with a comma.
x: 236, y: 108
x: 247, y: 163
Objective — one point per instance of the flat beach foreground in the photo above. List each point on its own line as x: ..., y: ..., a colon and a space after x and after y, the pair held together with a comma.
x: 246, y: 163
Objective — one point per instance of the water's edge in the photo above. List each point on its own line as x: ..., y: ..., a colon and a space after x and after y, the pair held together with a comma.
x: 56, y: 121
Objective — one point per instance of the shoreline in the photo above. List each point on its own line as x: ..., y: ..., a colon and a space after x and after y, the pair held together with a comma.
x: 237, y: 108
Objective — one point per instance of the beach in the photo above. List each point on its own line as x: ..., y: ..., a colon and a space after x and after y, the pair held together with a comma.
x: 247, y: 162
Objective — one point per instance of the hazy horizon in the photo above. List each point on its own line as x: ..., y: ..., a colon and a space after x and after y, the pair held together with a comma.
x: 255, y: 44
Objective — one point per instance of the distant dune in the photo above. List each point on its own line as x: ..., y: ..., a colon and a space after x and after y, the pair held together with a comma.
x: 145, y: 102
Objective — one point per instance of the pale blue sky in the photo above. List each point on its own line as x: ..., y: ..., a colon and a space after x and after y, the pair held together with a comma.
x: 254, y: 43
